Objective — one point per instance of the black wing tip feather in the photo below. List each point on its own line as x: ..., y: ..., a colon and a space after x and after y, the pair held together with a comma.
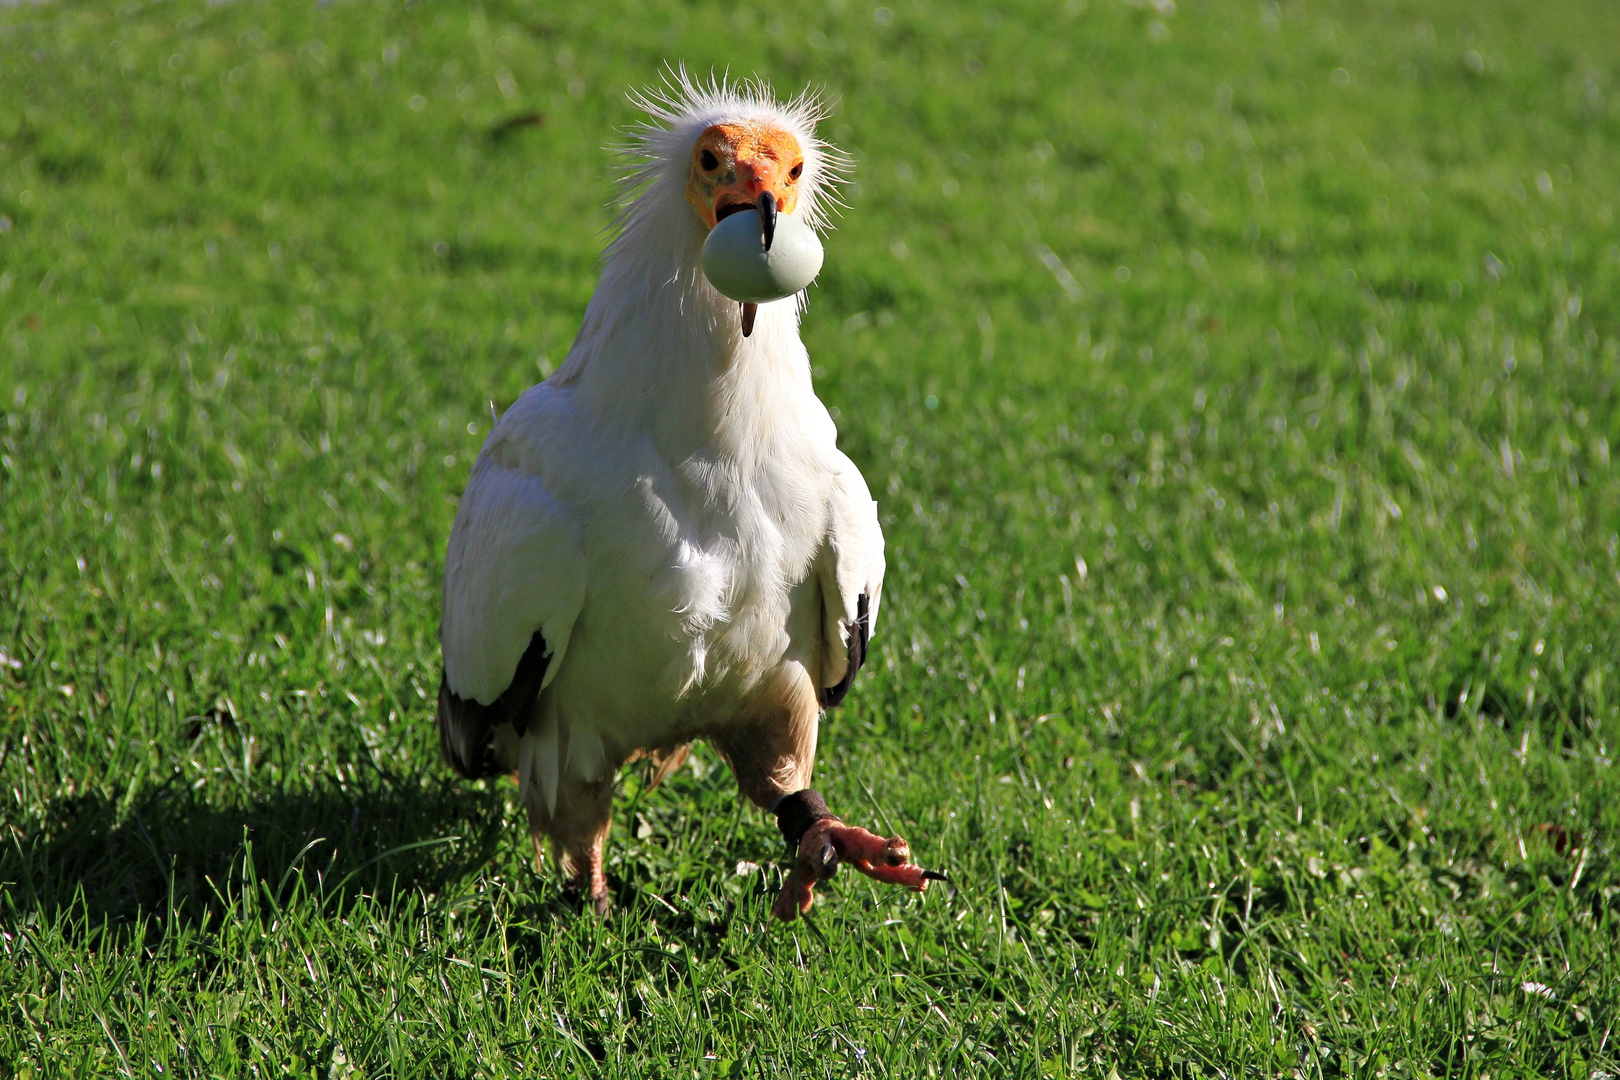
x: 464, y: 734
x: 467, y: 729
x: 831, y: 697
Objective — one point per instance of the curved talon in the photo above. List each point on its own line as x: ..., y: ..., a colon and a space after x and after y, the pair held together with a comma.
x: 826, y: 862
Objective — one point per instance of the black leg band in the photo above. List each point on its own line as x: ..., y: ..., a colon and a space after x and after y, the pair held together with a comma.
x: 795, y: 814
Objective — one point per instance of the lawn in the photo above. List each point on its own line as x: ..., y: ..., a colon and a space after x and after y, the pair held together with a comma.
x: 1240, y: 384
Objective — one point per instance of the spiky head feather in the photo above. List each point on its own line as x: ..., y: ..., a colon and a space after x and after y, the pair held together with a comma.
x: 653, y: 306
x: 656, y: 159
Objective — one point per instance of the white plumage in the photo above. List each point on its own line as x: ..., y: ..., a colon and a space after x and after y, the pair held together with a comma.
x: 669, y: 512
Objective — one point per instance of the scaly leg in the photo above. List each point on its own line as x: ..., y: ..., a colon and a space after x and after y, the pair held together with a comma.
x: 825, y: 842
x: 577, y: 829
x: 773, y: 757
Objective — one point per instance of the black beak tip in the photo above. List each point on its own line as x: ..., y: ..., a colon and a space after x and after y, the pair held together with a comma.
x: 934, y: 875
x: 767, y: 217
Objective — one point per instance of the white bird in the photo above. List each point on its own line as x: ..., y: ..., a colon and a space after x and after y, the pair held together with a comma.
x: 662, y: 542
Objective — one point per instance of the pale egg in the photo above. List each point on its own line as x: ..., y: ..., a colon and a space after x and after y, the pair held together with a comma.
x: 737, y: 264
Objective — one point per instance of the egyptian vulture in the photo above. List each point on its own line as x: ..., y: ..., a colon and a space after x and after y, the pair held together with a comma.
x: 662, y: 542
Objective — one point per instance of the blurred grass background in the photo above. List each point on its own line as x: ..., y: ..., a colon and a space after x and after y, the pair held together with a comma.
x: 1238, y: 384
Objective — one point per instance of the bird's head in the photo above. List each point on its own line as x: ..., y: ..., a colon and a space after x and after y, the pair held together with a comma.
x: 722, y: 147
x: 740, y: 166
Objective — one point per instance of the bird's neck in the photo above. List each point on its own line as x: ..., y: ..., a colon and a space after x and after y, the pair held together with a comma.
x: 661, y: 353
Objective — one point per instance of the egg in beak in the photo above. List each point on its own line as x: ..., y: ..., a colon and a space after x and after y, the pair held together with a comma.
x: 737, y: 167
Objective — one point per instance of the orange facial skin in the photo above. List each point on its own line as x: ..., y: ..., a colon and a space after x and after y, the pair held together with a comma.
x: 734, y: 164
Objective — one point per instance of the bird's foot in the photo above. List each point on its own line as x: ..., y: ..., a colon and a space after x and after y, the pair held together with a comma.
x: 598, y: 902
x: 584, y: 880
x: 829, y: 842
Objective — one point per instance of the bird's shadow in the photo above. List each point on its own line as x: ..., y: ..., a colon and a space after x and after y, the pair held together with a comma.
x: 173, y: 853
x: 187, y: 854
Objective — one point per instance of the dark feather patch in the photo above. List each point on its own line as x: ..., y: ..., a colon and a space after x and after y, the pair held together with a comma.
x: 832, y: 696
x: 466, y: 728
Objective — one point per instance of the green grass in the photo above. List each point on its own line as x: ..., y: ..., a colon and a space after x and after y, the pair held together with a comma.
x: 1239, y: 385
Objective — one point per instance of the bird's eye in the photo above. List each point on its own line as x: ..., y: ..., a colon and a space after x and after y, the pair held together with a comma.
x: 793, y: 173
x: 708, y: 161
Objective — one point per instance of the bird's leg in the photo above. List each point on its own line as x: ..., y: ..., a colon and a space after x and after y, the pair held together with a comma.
x: 586, y: 879
x: 821, y: 842
x: 773, y: 757
x: 577, y: 827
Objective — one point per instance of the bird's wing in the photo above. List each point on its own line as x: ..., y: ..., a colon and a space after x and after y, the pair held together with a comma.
x: 850, y: 572
x: 514, y: 581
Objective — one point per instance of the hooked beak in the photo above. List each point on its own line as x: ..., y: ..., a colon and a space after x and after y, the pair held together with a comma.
x: 767, y: 217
